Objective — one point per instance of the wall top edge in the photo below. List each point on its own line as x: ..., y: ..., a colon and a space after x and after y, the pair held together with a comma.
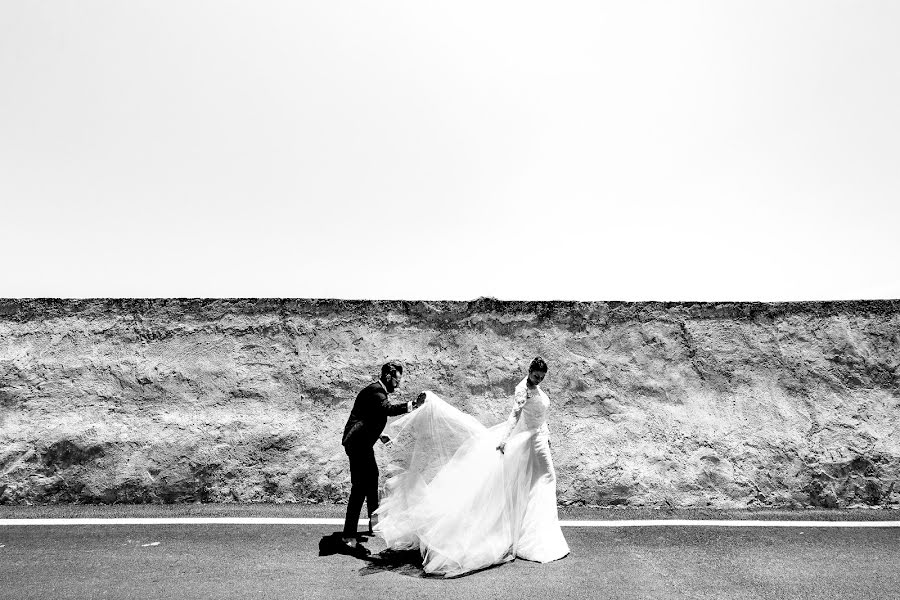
x: 18, y: 309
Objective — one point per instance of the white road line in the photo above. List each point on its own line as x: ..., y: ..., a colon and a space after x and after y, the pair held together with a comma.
x: 721, y: 523
x: 180, y: 521
x: 332, y: 521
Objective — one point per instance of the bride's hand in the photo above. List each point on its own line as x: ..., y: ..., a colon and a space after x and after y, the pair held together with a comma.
x: 502, y: 447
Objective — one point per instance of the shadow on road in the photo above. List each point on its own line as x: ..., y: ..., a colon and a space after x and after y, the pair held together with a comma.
x: 403, y: 562
x: 332, y: 544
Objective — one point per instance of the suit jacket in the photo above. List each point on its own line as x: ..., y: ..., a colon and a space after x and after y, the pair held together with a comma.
x: 369, y: 416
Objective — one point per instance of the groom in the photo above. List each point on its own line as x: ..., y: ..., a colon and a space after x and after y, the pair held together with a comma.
x: 367, y: 420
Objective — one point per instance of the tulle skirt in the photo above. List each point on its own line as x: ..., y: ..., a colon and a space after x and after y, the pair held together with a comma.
x: 451, y: 494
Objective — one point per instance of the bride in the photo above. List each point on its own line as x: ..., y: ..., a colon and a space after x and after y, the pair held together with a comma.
x: 468, y: 496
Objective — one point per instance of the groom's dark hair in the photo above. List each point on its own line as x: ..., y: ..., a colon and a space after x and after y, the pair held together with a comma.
x: 391, y: 367
x: 538, y: 364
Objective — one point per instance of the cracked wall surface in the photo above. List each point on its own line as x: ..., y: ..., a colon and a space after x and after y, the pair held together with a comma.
x: 653, y: 404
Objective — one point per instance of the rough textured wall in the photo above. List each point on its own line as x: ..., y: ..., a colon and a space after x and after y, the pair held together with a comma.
x: 680, y: 404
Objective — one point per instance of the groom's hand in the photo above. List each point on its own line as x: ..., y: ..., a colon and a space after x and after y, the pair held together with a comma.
x: 419, y: 401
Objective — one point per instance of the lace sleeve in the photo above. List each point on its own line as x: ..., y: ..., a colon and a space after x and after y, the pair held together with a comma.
x: 518, y: 404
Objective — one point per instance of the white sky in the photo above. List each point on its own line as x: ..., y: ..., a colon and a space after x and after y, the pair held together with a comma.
x: 593, y: 150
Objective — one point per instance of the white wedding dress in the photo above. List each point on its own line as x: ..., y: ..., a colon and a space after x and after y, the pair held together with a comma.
x: 465, y: 506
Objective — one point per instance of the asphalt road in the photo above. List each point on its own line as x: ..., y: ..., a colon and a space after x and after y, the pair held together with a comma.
x: 282, y: 561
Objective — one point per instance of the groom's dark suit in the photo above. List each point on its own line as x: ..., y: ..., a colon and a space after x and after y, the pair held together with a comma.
x: 367, y: 420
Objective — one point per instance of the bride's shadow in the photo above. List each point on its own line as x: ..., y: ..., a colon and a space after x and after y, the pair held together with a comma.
x: 409, y: 563
x: 403, y: 562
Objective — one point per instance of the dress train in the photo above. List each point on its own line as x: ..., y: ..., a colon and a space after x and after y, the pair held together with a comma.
x: 466, y: 506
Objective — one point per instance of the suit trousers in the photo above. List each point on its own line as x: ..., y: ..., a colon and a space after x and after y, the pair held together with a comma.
x: 363, y: 486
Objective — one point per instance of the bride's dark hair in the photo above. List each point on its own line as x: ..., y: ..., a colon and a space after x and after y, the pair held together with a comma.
x: 538, y: 364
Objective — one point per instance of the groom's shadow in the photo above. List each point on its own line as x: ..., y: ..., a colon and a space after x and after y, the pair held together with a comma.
x: 404, y: 562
